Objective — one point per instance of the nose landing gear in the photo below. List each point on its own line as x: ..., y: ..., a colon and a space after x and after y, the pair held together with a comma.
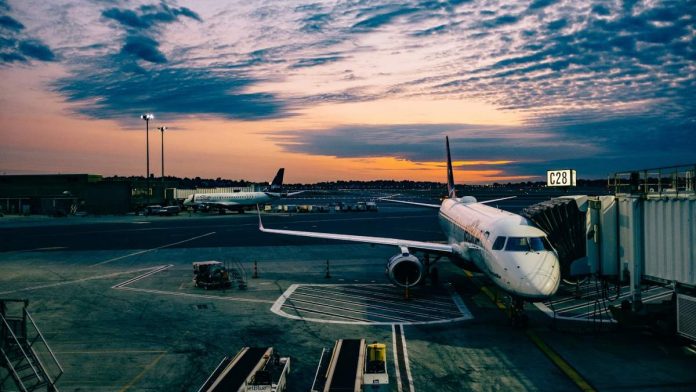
x: 518, y: 317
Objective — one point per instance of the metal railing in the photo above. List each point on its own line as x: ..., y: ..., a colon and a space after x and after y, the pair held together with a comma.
x: 48, y: 348
x: 24, y: 353
x: 663, y: 182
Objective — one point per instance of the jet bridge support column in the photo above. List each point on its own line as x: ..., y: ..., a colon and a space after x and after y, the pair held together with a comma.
x: 631, y: 244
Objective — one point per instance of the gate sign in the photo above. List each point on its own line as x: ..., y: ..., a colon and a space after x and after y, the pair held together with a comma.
x: 560, y: 177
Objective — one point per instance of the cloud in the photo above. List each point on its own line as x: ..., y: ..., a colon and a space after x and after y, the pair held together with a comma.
x: 315, y: 23
x: 539, y: 4
x: 144, y: 48
x: 10, y: 23
x: 36, y: 50
x: 312, y: 62
x: 381, y: 19
x: 593, y: 140
x: 16, y: 46
x: 140, y: 77
x: 140, y: 42
x: 173, y: 92
x: 148, y: 16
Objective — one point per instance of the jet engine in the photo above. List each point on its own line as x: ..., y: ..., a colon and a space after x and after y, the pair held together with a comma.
x: 405, y: 270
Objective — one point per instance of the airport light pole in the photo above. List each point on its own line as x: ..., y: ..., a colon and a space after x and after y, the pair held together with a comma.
x: 162, y: 129
x: 147, y: 117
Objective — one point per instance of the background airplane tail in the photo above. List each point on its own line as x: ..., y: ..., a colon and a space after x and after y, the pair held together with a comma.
x: 277, y: 183
x: 451, y: 192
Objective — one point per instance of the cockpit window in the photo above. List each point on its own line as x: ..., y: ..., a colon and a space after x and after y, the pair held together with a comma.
x: 517, y: 244
x: 499, y: 243
x: 528, y: 244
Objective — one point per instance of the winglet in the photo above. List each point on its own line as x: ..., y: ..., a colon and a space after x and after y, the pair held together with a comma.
x: 451, y: 192
x: 258, y: 211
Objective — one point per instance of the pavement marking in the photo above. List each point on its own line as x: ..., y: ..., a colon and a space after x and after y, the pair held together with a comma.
x: 595, y: 315
x: 557, y: 360
x: 401, y: 353
x: 408, y: 365
x: 341, y: 303
x: 373, y: 306
x: 565, y: 367
x: 142, y: 373
x: 150, y: 250
x: 107, y: 352
x: 43, y: 286
x: 143, y: 276
x: 396, y: 360
x: 178, y: 294
x: 124, y: 286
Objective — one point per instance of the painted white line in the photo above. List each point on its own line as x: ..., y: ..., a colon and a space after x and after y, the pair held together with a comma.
x: 43, y: 286
x: 124, y: 286
x: 398, y: 299
x: 463, y: 309
x: 49, y: 248
x: 396, y: 360
x: 371, y: 306
x: 606, y: 310
x: 408, y: 366
x: 348, y: 310
x: 280, y: 302
x: 153, y: 249
x: 215, y: 297
x: 143, y: 276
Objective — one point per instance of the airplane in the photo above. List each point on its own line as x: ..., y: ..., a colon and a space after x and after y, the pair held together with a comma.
x: 506, y: 247
x: 238, y: 200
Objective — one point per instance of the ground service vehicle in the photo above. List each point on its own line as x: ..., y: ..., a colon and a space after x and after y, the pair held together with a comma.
x: 210, y: 274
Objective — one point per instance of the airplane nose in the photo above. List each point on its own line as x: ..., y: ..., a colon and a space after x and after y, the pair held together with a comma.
x: 542, y: 276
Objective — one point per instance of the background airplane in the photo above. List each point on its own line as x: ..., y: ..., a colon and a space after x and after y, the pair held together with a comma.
x: 236, y: 201
x: 506, y: 247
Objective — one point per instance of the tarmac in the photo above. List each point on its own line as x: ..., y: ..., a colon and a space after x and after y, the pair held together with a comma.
x: 114, y: 298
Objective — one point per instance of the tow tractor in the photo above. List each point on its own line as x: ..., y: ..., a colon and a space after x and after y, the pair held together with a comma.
x: 210, y: 275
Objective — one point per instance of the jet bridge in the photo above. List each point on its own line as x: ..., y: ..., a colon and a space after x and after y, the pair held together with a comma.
x: 642, y: 234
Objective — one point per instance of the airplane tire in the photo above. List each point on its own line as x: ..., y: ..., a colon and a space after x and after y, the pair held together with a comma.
x: 434, y: 276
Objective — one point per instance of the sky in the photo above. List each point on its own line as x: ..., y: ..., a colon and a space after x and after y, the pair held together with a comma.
x: 347, y: 90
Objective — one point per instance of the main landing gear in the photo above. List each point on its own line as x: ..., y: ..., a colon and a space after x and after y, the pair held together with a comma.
x: 431, y: 270
x: 518, y: 317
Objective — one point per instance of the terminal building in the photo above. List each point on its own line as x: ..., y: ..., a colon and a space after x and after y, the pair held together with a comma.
x: 62, y: 194
x: 65, y: 194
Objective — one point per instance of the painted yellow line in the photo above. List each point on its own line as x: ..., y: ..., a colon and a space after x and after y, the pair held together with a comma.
x: 557, y: 360
x: 141, y: 374
x: 560, y: 362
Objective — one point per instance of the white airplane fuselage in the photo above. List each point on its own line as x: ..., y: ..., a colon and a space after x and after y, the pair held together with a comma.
x: 527, y: 267
x: 228, y: 199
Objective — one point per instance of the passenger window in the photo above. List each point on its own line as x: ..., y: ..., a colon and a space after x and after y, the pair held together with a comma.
x: 499, y: 243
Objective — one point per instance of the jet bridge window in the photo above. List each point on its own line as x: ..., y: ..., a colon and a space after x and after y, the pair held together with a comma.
x: 499, y: 243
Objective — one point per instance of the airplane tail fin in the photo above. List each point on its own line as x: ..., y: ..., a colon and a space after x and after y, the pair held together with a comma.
x: 451, y: 192
x: 277, y: 183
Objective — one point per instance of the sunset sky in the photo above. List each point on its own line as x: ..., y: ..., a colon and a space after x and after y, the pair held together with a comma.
x: 347, y: 89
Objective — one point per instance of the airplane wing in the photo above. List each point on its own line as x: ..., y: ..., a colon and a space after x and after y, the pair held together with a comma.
x: 279, y: 194
x: 413, y: 203
x: 431, y: 247
x: 494, y: 200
